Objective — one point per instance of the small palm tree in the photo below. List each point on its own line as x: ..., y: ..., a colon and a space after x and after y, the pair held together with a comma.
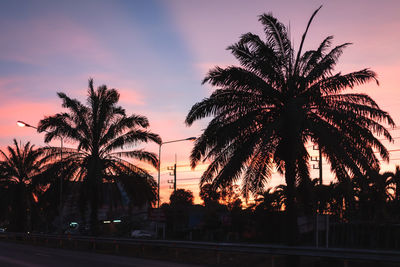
x: 102, y: 130
x: 394, y: 180
x: 380, y: 195
x: 209, y: 195
x: 270, y: 201
x: 343, y: 198
x: 373, y: 195
x: 276, y: 102
x: 20, y: 170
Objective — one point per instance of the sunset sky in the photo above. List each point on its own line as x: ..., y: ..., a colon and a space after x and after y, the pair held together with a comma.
x: 157, y: 52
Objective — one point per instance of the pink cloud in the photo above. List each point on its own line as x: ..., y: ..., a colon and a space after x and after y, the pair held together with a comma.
x: 130, y: 96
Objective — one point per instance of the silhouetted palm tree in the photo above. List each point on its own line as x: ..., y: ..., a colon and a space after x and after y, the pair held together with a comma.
x: 270, y: 201
x: 20, y: 168
x: 209, y: 195
x: 181, y: 197
x: 343, y: 198
x: 394, y: 180
x: 267, y: 110
x: 101, y: 130
x: 379, y: 194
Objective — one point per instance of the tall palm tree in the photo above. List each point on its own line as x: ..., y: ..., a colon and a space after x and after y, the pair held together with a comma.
x: 20, y: 169
x: 102, y: 130
x: 277, y: 101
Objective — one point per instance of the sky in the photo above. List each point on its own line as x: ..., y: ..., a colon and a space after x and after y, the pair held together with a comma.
x: 156, y: 54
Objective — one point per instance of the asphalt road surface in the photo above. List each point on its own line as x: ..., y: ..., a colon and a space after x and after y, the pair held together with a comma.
x: 13, y: 255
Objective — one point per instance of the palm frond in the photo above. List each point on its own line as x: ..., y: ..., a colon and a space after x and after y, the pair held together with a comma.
x: 303, y: 37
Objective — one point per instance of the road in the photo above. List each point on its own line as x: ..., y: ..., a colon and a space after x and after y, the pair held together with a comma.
x: 18, y: 255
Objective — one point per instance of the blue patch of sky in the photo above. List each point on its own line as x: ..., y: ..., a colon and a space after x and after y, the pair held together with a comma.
x: 168, y: 65
x: 9, y: 67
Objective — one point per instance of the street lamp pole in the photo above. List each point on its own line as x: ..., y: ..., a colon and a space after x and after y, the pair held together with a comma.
x: 24, y: 124
x: 159, y: 163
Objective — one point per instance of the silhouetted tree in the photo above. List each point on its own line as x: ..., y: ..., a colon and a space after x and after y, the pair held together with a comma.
x: 181, y: 198
x: 379, y: 196
x: 269, y: 201
x: 230, y: 196
x: 101, y: 130
x: 344, y: 198
x: 209, y: 195
x: 267, y: 110
x: 20, y: 169
x: 180, y: 202
x: 394, y: 180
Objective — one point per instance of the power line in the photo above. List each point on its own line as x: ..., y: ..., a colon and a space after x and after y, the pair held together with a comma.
x: 184, y: 179
x: 193, y: 171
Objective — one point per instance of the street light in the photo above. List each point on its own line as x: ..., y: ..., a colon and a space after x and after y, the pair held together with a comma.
x: 24, y: 124
x: 159, y: 162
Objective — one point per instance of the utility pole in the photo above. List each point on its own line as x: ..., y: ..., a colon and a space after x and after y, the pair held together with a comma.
x: 320, y: 165
x: 174, y: 178
x: 173, y: 173
x: 319, y: 159
x: 159, y: 163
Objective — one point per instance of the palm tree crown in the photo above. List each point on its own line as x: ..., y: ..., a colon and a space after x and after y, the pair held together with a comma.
x: 22, y: 163
x: 277, y: 101
x: 101, y: 129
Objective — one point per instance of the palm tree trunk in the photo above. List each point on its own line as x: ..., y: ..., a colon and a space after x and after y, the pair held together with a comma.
x: 94, y: 212
x: 291, y: 209
x: 95, y: 185
x: 29, y: 213
x: 19, y: 209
